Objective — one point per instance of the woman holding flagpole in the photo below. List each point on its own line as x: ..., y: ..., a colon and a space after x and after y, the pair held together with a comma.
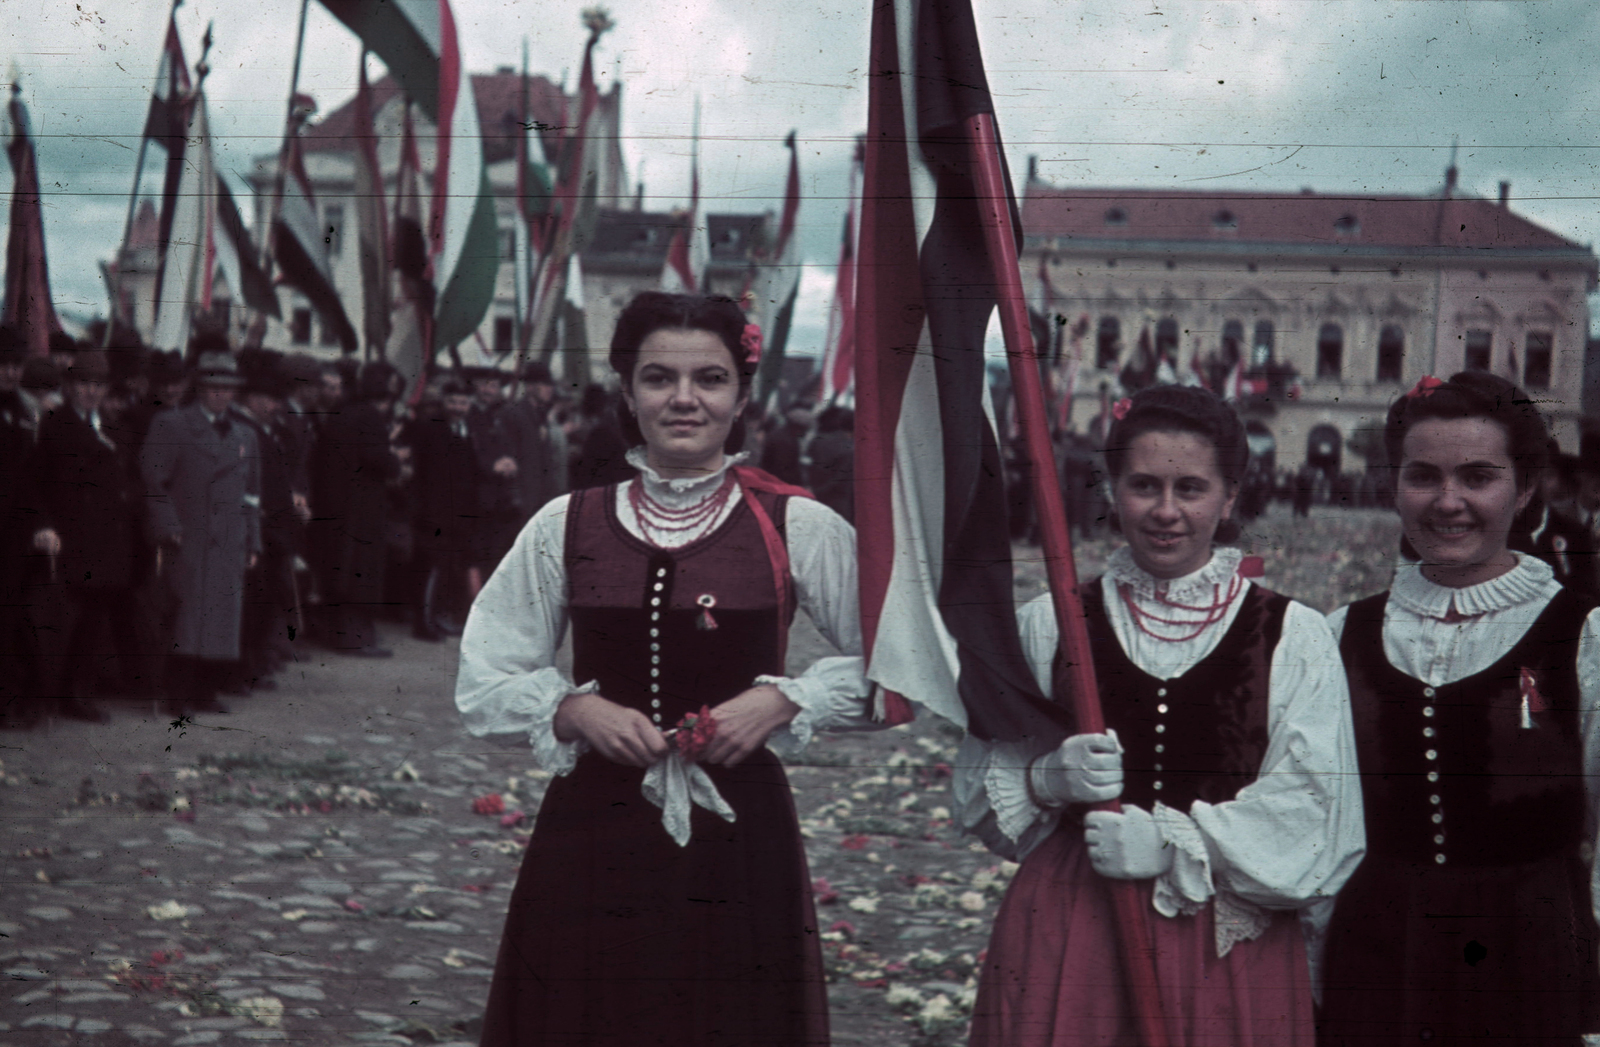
x: 664, y: 897
x: 1228, y: 743
x: 1475, y: 682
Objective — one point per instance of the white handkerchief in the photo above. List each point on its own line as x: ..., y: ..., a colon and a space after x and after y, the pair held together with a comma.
x: 673, y: 784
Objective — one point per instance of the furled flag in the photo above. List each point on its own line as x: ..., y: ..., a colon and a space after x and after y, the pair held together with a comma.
x: 167, y: 125
x: 28, y: 306
x: 301, y: 249
x: 532, y: 208
x: 372, y: 223
x: 778, y: 284
x: 690, y: 249
x: 935, y: 557
x: 839, y: 345
x: 189, y: 262
x: 417, y: 40
x: 237, y: 257
x: 414, y: 303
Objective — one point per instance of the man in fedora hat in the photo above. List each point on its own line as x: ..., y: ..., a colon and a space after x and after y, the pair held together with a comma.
x: 88, y: 530
x: 202, y: 482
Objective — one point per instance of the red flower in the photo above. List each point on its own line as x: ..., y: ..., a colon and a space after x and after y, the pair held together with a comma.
x: 695, y: 731
x: 491, y: 803
x: 1119, y: 410
x: 751, y: 342
x: 854, y: 843
x: 844, y: 927
x: 1252, y: 567
x: 824, y: 891
x: 354, y: 906
x: 514, y: 818
x: 1424, y: 387
x: 872, y: 983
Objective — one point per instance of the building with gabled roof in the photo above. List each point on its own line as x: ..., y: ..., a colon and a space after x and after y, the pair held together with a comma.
x: 1333, y: 304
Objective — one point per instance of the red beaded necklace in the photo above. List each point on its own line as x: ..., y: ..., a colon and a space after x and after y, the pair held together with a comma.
x: 664, y: 520
x: 1209, y: 614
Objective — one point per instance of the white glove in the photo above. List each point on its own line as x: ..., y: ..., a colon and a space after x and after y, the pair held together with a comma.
x: 1086, y: 768
x: 1126, y: 845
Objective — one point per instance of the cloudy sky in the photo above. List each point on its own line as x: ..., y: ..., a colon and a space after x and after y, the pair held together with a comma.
x: 1345, y: 96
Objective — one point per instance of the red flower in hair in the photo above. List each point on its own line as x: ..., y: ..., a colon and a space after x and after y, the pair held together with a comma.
x: 1119, y: 410
x: 1424, y: 387
x: 751, y: 341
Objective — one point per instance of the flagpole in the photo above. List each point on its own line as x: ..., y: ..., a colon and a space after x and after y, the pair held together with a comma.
x: 993, y: 193
x: 133, y: 203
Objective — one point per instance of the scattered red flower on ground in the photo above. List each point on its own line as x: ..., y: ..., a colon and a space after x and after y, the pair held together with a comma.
x: 855, y: 842
x: 843, y: 927
x: 354, y: 906
x: 491, y: 803
x: 826, y: 895
x: 514, y: 818
x: 913, y: 879
x: 872, y: 983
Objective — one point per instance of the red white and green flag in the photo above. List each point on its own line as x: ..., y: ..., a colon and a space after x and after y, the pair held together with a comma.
x: 778, y: 284
x: 690, y: 250
x: 839, y: 345
x: 372, y: 221
x: 28, y: 305
x: 934, y: 547
x: 301, y: 250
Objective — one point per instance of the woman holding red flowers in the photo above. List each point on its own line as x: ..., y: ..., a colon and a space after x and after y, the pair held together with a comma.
x: 1475, y: 680
x: 1228, y: 745
x: 664, y: 897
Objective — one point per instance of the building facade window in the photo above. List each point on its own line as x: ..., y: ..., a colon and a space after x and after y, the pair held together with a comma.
x: 1167, y: 338
x: 1261, y: 347
x: 1232, y: 341
x: 1391, y: 353
x: 1330, y: 351
x: 1540, y: 361
x: 333, y: 228
x: 300, y: 327
x: 1478, y: 355
x: 1108, y: 342
x: 327, y: 335
x: 505, y: 333
x: 508, y: 243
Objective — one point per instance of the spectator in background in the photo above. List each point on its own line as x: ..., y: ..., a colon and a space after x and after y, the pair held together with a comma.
x: 831, y: 473
x: 87, y: 529
x: 444, y: 490
x: 781, y: 454
x: 536, y: 444
x: 17, y: 661
x: 41, y: 388
x: 497, y: 475
x: 354, y: 462
x: 269, y: 611
x: 166, y: 382
x: 201, y: 477
x: 602, y: 454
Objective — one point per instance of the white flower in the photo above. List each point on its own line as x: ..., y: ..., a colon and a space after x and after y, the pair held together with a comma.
x: 971, y: 901
x: 939, y: 814
x: 936, y: 1012
x: 900, y: 995
x: 864, y: 904
x: 168, y: 910
x: 264, y: 1010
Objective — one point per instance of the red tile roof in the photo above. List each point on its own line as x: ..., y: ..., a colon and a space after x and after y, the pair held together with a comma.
x: 1305, y: 220
x: 499, y: 98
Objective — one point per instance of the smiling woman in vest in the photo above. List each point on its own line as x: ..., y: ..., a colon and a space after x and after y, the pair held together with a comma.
x: 664, y: 897
x: 1228, y: 743
x: 1475, y: 680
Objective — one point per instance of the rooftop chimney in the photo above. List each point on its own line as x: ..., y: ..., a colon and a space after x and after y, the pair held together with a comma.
x: 1505, y: 194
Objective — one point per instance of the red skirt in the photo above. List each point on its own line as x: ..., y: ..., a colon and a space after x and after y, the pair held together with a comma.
x: 1053, y: 974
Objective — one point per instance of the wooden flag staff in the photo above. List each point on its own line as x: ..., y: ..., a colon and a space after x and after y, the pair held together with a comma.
x: 994, y: 195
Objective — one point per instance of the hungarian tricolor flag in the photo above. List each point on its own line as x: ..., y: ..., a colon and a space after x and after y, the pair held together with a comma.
x: 936, y: 588
x: 778, y: 284
x: 418, y: 41
x: 839, y: 345
x: 188, y: 264
x: 28, y: 305
x: 690, y: 249
x: 301, y: 249
x: 372, y: 223
x: 167, y: 125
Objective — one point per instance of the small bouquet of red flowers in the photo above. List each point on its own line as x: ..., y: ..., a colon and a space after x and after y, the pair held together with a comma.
x: 491, y: 803
x: 693, y: 733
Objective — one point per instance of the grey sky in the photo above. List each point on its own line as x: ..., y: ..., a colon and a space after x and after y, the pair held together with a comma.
x: 1340, y: 95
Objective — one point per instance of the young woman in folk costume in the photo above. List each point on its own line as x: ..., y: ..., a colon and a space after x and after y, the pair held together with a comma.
x: 664, y: 897
x: 1474, y: 682
x: 1228, y: 743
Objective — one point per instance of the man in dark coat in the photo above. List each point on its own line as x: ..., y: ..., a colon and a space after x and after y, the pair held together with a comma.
x: 354, y: 461
x: 269, y: 613
x: 202, y: 488
x: 444, y: 488
x: 88, y: 528
x: 537, y: 446
x: 18, y: 521
x: 782, y: 454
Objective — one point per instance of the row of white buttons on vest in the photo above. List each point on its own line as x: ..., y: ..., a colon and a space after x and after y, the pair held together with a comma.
x: 1432, y: 755
x: 655, y: 646
x: 1161, y: 728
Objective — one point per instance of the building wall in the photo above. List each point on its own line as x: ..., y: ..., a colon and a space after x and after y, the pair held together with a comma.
x: 1432, y: 306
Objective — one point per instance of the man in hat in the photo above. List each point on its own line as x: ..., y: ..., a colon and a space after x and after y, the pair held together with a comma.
x: 445, y: 516
x: 88, y: 529
x: 536, y: 445
x: 201, y: 470
x: 270, y: 605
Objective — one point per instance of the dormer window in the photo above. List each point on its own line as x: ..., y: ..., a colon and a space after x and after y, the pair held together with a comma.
x: 1116, y: 216
x: 1225, y: 219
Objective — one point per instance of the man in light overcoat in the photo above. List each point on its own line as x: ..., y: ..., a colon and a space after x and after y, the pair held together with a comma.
x: 201, y: 472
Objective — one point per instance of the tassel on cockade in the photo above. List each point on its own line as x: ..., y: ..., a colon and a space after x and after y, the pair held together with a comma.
x: 705, y: 623
x: 1532, y: 700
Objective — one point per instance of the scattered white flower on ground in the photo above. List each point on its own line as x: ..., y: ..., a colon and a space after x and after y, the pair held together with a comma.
x: 264, y: 1010
x: 864, y: 904
x: 901, y: 995
x: 168, y: 910
x: 940, y: 814
x: 971, y: 901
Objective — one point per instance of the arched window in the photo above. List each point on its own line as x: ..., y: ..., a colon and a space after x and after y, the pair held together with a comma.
x: 1478, y: 354
x: 1540, y: 360
x: 1232, y: 340
x: 1330, y: 351
x: 1108, y: 342
x: 1167, y: 338
x: 1261, y: 347
x: 1391, y: 353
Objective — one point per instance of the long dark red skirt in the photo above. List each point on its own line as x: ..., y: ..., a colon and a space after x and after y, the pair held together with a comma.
x: 1053, y: 975
x: 618, y: 937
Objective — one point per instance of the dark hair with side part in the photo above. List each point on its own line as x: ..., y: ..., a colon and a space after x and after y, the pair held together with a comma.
x: 1475, y: 394
x: 652, y: 311
x: 1184, y: 409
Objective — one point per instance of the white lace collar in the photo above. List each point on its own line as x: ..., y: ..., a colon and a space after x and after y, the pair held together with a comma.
x: 681, y: 492
x: 1191, y: 588
x: 1530, y: 580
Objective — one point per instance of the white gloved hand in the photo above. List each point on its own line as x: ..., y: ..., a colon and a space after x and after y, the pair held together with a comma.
x: 1126, y: 845
x: 1086, y: 768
